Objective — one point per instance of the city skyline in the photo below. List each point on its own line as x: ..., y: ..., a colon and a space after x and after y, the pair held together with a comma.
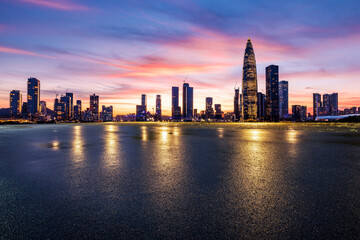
x: 154, y: 50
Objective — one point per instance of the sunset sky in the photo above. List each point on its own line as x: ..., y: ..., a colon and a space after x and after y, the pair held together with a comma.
x: 121, y: 49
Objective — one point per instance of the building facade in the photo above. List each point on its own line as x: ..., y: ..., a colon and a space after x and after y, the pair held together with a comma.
x: 188, y: 102
x: 15, y: 103
x: 261, y: 99
x: 283, y: 98
x: 272, y: 93
x: 94, y: 107
x: 249, y: 84
x: 33, y: 96
x: 158, y: 108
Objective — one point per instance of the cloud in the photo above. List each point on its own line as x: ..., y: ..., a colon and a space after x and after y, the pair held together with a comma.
x: 22, y: 52
x: 57, y: 4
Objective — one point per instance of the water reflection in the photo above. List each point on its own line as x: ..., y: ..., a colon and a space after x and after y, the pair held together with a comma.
x: 111, y: 147
x: 78, y: 144
x: 144, y: 134
x: 55, y: 145
x: 220, y: 132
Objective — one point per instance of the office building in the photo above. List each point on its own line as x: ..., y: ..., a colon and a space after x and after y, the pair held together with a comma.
x: 71, y: 105
x: 15, y: 103
x: 188, y: 102
x: 334, y: 109
x: 209, y: 111
x: 107, y: 113
x: 175, y: 104
x: 249, y: 84
x: 218, y: 112
x: 77, y: 110
x: 317, y: 105
x: 94, y: 107
x: 33, y: 96
x: 158, y: 108
x: 261, y: 99
x: 283, y: 98
x: 237, y: 111
x: 144, y: 101
x: 272, y: 93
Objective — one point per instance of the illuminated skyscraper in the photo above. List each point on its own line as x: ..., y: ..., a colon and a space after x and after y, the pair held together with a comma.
x: 316, y: 105
x: 94, y: 106
x: 77, y: 110
x: 188, y: 102
x: 209, y: 111
x: 15, y: 103
x: 71, y: 105
x: 33, y: 96
x: 249, y: 84
x: 175, y: 108
x: 284, y: 98
x: 158, y: 108
x: 272, y: 93
x: 334, y: 110
x: 107, y: 113
x: 237, y: 111
x: 144, y: 101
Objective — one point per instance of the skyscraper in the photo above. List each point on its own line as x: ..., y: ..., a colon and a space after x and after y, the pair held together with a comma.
x: 326, y: 104
x: 15, y: 103
x: 249, y: 84
x: 272, y: 93
x: 209, y: 111
x: 67, y: 101
x: 94, y: 106
x: 175, y: 108
x: 334, y: 110
x: 218, y: 112
x: 283, y: 98
x: 71, y: 105
x: 188, y: 102
x: 107, y: 113
x: 33, y: 96
x: 158, y: 108
x: 261, y: 105
x: 144, y: 101
x: 237, y: 112
x: 316, y: 105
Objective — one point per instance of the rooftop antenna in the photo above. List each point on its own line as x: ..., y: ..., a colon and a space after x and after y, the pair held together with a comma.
x: 56, y: 94
x: 185, y: 78
x: 235, y: 85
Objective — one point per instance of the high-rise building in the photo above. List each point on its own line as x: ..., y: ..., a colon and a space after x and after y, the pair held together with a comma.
x: 317, y: 111
x: 43, y: 109
x: 188, y: 102
x: 107, y: 113
x: 94, y: 106
x: 283, y: 98
x: 24, y: 109
x: 334, y: 110
x: 299, y: 113
x: 158, y: 108
x: 33, y: 96
x: 237, y: 112
x: 67, y: 101
x: 60, y: 109
x: 15, y: 103
x: 209, y: 111
x: 249, y: 84
x: 175, y: 108
x: 326, y: 104
x: 144, y: 101
x: 77, y: 110
x: 218, y: 112
x: 71, y: 105
x: 261, y: 99
x: 272, y: 93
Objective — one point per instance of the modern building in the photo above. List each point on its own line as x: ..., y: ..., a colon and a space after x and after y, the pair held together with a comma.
x: 334, y: 108
x: 209, y: 111
x: 140, y: 113
x: 43, y: 109
x: 261, y: 99
x: 317, y: 105
x: 107, y: 113
x: 144, y: 101
x: 283, y: 98
x: 24, y: 109
x: 158, y: 108
x: 299, y: 113
x: 237, y: 111
x: 272, y: 93
x: 77, y: 110
x: 188, y: 102
x: 15, y: 103
x: 218, y: 112
x: 67, y: 101
x: 60, y: 109
x: 326, y: 104
x: 71, y: 105
x: 249, y: 84
x: 94, y: 107
x: 33, y: 96
x: 175, y: 108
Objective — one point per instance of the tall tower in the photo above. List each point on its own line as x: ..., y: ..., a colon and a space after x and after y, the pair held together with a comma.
x: 158, y: 108
x: 272, y: 93
x: 249, y: 84
x: 33, y: 96
x: 237, y: 112
x: 284, y: 98
x: 316, y: 105
x: 15, y: 103
x: 188, y: 102
x: 94, y: 106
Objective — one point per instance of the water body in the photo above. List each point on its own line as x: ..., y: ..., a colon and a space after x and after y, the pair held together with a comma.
x: 180, y: 181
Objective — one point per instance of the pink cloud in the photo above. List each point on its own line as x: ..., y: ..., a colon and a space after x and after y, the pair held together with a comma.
x: 59, y: 4
x: 22, y: 52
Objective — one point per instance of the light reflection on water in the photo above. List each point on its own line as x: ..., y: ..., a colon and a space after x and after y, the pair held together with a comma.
x: 78, y: 144
x: 111, y: 147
